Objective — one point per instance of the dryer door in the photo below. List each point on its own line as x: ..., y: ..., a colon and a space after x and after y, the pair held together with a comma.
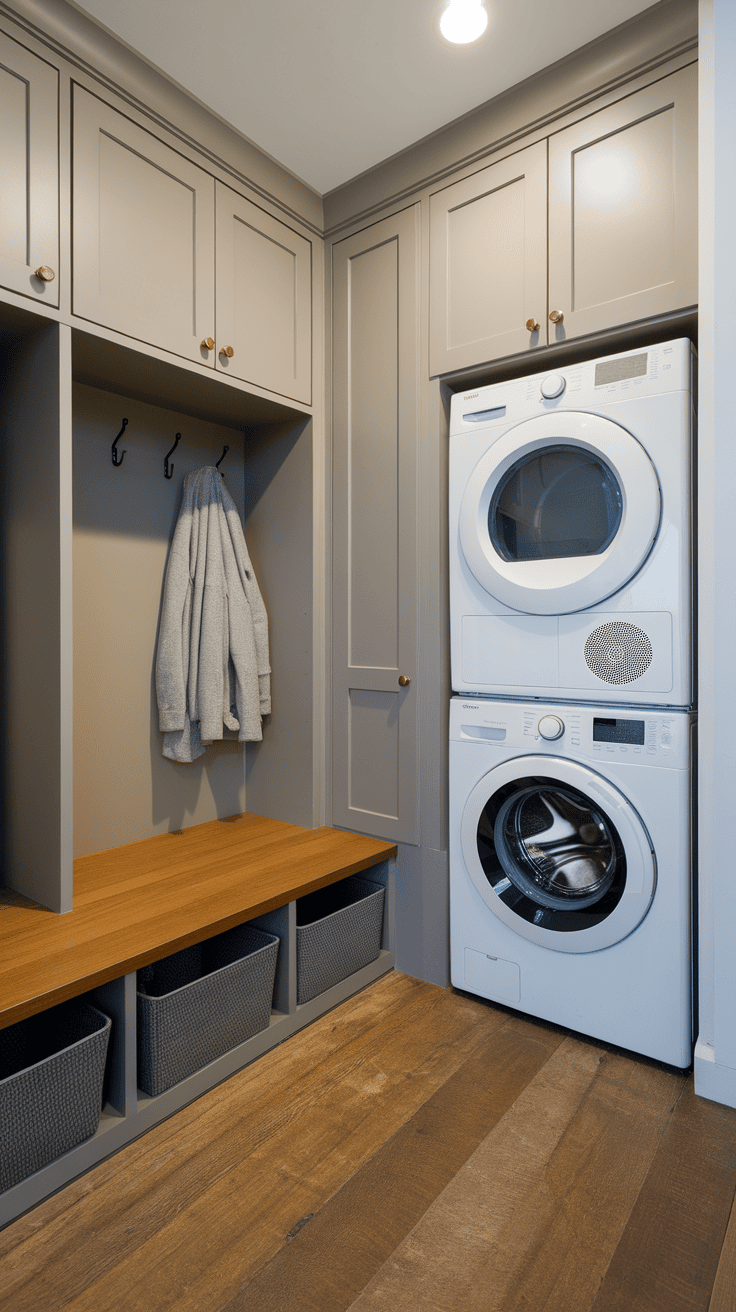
x: 560, y: 513
x: 558, y: 854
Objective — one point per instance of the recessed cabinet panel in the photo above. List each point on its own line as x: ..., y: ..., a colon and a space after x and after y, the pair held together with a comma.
x: 488, y: 262
x: 623, y: 210
x: 376, y: 317
x: 374, y: 735
x: 143, y: 233
x: 29, y: 172
x: 373, y: 492
x: 264, y: 298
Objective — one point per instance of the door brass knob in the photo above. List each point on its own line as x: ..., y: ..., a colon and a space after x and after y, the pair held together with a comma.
x: 404, y: 681
x: 207, y: 343
x: 532, y: 326
x: 45, y: 273
x: 228, y: 351
x: 556, y: 316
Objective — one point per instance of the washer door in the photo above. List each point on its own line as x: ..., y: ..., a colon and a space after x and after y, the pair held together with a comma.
x: 560, y: 513
x: 558, y: 854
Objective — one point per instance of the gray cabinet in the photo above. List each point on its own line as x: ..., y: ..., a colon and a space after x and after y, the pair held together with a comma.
x: 157, y: 242
x: 623, y: 215
x: 143, y: 233
x: 29, y: 169
x: 615, y: 242
x: 264, y: 298
x: 375, y: 433
x: 488, y: 262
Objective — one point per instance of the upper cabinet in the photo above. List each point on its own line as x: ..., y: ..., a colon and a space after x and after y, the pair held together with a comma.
x: 623, y: 237
x: 620, y: 220
x: 143, y: 225
x: 29, y: 169
x: 488, y: 262
x: 264, y: 298
x: 151, y: 261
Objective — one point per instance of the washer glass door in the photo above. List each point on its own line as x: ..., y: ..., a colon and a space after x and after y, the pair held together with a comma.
x: 557, y: 854
x: 559, y: 513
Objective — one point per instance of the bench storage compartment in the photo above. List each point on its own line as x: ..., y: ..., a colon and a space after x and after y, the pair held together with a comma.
x: 338, y: 931
x: 51, y: 1073
x: 198, y: 1003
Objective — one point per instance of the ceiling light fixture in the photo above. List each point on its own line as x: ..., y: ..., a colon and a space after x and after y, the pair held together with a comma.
x: 463, y: 21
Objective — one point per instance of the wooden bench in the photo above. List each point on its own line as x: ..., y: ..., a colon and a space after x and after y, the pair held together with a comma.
x: 138, y: 903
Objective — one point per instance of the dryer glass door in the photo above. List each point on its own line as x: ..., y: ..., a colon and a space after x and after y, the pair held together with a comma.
x: 556, y: 502
x: 559, y: 513
x: 558, y: 854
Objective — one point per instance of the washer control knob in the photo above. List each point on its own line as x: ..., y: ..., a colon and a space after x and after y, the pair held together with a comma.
x: 553, y: 385
x: 551, y: 727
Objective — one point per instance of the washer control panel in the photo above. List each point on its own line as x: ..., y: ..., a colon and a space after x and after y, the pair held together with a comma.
x: 587, y: 733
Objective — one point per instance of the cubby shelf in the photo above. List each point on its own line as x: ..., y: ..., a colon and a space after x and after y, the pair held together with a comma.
x: 138, y: 903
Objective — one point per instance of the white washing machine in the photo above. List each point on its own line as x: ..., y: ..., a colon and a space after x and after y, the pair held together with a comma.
x: 570, y: 532
x: 570, y: 867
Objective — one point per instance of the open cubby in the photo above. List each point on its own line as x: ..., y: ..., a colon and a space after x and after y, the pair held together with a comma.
x: 113, y: 856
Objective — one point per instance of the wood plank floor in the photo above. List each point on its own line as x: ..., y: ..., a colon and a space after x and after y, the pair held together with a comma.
x: 416, y: 1150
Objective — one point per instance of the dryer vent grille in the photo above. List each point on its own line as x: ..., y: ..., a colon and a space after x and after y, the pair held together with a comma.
x: 618, y: 652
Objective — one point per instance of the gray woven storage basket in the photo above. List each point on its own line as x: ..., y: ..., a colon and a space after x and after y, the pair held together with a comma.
x: 51, y: 1072
x: 198, y: 1003
x: 340, y: 932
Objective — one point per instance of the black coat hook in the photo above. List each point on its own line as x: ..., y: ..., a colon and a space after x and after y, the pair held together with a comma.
x: 222, y: 457
x: 168, y: 471
x: 117, y: 457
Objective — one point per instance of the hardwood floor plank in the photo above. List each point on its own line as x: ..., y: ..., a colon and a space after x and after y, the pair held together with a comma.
x: 326, y: 1264
x: 530, y: 1222
x: 184, y: 1216
x: 723, y: 1297
x: 668, y: 1255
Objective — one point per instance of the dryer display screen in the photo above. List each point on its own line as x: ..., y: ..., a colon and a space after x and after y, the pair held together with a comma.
x: 618, y: 731
x: 615, y: 371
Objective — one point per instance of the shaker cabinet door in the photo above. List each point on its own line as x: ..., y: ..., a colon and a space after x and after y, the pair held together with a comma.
x: 29, y: 173
x: 143, y: 240
x: 264, y: 298
x: 623, y: 210
x: 488, y: 263
x: 375, y: 587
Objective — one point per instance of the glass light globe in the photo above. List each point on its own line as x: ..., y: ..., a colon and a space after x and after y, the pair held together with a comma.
x: 463, y: 21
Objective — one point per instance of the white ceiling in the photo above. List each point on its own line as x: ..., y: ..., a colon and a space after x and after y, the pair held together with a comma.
x: 332, y: 87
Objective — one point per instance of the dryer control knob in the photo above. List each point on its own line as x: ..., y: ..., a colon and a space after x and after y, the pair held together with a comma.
x: 553, y: 385
x: 551, y: 727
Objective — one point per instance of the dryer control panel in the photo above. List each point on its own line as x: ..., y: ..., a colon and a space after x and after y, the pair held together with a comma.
x: 590, y: 733
x: 666, y: 367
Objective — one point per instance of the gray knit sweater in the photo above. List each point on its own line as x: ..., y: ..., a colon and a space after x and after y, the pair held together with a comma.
x: 212, y: 666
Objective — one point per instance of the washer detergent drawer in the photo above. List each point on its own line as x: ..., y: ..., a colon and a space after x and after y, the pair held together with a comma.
x: 491, y: 977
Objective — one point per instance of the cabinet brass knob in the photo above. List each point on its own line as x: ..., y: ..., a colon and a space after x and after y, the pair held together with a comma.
x: 207, y: 343
x: 556, y: 316
x: 45, y: 273
x: 532, y: 326
x: 404, y: 681
x: 228, y: 351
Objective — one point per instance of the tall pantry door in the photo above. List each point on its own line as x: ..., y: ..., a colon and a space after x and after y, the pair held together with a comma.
x: 375, y: 593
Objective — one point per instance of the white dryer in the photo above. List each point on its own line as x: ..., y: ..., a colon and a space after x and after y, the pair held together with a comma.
x: 570, y: 532
x: 570, y: 867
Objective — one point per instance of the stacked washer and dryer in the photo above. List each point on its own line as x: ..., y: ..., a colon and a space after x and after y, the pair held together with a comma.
x: 571, y: 727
